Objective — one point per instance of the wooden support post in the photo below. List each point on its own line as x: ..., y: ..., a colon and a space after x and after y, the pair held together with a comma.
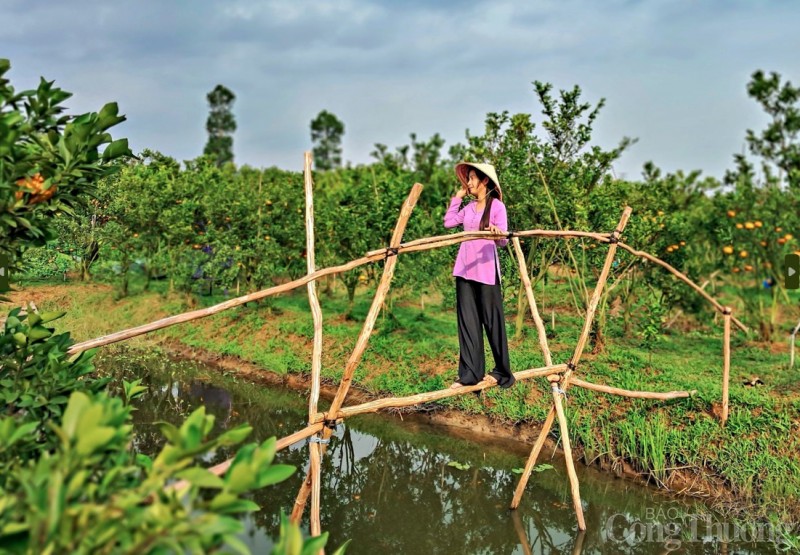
x: 315, y: 454
x: 726, y: 361
x: 573, y: 476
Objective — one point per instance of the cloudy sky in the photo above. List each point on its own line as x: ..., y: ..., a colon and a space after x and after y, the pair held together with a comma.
x: 673, y: 72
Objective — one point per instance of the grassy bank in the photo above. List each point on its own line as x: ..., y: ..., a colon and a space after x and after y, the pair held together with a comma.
x: 751, y: 465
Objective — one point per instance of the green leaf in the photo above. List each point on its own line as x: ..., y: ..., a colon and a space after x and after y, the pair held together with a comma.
x: 144, y: 461
x: 237, y: 545
x: 78, y: 402
x: 235, y: 435
x: 116, y: 149
x: 201, y: 477
x: 98, y: 437
x: 274, y: 474
x: 342, y: 548
x: 313, y: 546
x: 23, y: 430
x: 52, y: 315
x: 459, y: 465
x: 37, y: 333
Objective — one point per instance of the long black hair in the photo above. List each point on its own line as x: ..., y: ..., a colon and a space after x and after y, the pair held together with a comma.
x: 492, y: 194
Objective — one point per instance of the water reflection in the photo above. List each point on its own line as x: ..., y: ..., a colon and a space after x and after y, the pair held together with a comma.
x: 389, y: 487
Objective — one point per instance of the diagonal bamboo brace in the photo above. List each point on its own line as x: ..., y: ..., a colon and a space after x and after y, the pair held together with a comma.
x: 363, y: 338
x: 573, y: 476
x: 587, y: 324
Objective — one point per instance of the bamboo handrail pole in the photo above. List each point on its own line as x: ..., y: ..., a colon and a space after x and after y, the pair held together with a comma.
x: 398, y: 402
x: 232, y: 303
x: 595, y: 300
x: 565, y: 442
x: 372, y: 256
x: 526, y: 280
x: 726, y: 362
x: 315, y: 466
x: 377, y: 301
x: 683, y: 278
x: 282, y: 443
x: 532, y: 458
x: 466, y: 235
x: 665, y: 396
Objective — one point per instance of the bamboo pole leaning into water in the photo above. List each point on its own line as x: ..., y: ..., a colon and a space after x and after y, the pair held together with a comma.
x: 366, y: 331
x: 562, y: 387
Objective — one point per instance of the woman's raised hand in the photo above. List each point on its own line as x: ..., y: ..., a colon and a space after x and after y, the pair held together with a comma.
x: 462, y: 192
x: 497, y: 230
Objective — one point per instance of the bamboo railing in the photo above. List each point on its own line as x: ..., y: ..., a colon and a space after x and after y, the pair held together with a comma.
x: 561, y: 376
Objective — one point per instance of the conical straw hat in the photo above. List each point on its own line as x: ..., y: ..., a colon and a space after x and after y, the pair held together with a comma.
x: 462, y: 171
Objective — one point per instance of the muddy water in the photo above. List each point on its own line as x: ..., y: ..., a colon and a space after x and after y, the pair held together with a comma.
x: 391, y: 486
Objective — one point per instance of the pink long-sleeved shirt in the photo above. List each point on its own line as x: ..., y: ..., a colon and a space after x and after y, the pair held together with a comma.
x: 477, y: 259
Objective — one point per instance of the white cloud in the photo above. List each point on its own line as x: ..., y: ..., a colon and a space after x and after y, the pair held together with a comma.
x: 673, y: 72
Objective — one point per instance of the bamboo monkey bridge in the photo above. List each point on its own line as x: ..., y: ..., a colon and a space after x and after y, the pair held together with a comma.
x: 560, y: 376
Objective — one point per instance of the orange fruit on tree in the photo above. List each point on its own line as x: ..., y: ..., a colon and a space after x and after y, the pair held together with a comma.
x: 788, y: 236
x: 763, y: 243
x: 727, y: 249
x: 739, y: 226
x: 736, y: 270
x: 749, y: 225
x: 731, y: 213
x: 778, y: 229
x: 683, y: 243
x: 748, y: 268
x: 757, y: 223
x: 743, y: 254
x: 781, y: 240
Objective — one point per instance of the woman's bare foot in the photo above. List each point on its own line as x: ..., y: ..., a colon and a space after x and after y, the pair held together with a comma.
x: 489, y: 379
x: 456, y: 385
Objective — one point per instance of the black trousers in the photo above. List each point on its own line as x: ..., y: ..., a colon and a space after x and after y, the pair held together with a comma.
x: 480, y: 306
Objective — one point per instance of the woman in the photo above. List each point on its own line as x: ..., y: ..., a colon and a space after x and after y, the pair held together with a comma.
x: 479, y: 301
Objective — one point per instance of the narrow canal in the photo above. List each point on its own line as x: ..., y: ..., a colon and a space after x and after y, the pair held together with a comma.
x: 399, y: 486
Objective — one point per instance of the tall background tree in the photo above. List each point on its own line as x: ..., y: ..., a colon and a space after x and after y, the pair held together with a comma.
x: 220, y: 125
x: 326, y: 134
